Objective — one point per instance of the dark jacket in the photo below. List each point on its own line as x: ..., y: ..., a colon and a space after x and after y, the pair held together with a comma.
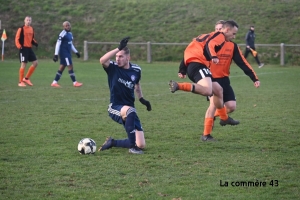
x: 250, y: 39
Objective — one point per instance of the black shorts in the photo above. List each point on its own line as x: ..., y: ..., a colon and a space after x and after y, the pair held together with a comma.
x: 197, y: 71
x: 228, y: 94
x: 26, y: 54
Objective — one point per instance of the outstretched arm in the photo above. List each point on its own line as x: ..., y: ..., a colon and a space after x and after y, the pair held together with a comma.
x: 239, y: 59
x: 104, y: 60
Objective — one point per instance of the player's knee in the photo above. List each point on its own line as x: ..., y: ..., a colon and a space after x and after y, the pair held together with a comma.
x: 35, y: 63
x: 230, y: 110
x: 230, y: 107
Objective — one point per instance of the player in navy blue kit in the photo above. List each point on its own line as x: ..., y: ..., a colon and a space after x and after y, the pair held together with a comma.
x: 124, y: 81
x: 63, y: 47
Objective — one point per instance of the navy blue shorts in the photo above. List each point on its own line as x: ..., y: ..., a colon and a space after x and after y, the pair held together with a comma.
x: 114, y: 111
x: 65, y: 60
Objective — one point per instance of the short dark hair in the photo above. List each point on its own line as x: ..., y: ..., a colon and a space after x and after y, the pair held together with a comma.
x: 230, y: 23
x: 251, y: 26
x: 126, y: 50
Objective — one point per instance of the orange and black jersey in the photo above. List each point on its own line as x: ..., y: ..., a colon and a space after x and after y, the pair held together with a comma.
x: 25, y: 37
x: 204, y: 48
x: 230, y: 51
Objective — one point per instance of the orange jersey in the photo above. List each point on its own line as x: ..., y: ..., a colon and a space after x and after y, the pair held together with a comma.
x: 203, y: 48
x: 230, y: 51
x: 25, y: 37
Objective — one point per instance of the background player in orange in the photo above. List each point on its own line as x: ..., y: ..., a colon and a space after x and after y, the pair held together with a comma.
x: 24, y: 40
x: 220, y: 76
x: 197, y: 57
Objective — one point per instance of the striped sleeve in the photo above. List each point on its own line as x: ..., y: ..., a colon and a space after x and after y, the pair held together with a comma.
x: 58, y: 42
x: 240, y: 60
x: 217, y: 39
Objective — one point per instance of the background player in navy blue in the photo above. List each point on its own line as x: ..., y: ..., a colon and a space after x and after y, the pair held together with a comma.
x: 63, y: 47
x: 250, y: 43
x: 124, y: 82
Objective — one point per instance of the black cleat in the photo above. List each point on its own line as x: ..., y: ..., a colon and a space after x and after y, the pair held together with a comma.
x: 229, y: 121
x: 135, y: 150
x: 107, y: 144
x: 207, y: 138
x: 173, y: 86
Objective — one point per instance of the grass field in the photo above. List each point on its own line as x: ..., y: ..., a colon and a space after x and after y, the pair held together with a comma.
x: 168, y: 21
x: 41, y: 127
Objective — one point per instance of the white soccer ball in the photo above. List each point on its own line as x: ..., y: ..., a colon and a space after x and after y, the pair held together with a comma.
x: 87, y: 146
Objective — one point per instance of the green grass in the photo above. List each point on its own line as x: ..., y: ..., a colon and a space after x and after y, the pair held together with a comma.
x: 156, y: 21
x: 41, y: 127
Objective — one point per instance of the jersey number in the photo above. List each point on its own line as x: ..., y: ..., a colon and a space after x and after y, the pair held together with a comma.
x: 204, y: 72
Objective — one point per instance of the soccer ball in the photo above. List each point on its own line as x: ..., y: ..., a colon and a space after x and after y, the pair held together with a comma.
x: 87, y: 146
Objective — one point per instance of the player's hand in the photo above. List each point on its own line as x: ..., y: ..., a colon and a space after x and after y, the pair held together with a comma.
x: 123, y: 43
x: 180, y: 75
x: 146, y: 103
x: 215, y: 60
x: 256, y: 84
x: 78, y: 55
x: 55, y: 58
x: 248, y: 46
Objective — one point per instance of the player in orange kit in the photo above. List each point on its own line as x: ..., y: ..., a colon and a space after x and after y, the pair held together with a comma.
x: 197, y: 57
x: 24, y: 40
x: 220, y: 76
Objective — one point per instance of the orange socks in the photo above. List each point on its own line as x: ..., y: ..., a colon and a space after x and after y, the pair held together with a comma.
x: 21, y: 74
x: 185, y: 87
x: 217, y: 114
x: 223, y: 113
x: 208, y: 124
x: 30, y: 71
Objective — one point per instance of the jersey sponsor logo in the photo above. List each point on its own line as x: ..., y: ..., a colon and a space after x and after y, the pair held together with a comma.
x: 224, y: 55
x: 127, y: 84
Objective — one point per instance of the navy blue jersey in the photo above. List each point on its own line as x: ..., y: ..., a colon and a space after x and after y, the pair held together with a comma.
x: 64, y: 44
x: 121, y: 83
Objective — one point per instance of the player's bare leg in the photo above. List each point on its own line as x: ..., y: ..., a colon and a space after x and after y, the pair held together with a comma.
x: 209, y: 122
x: 203, y: 87
x: 140, y: 139
x: 219, y: 103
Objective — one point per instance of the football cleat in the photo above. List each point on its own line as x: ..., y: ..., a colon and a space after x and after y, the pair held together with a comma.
x: 135, y: 150
x: 173, y: 86
x: 27, y: 81
x: 229, y: 121
x: 77, y: 84
x: 55, y: 85
x: 21, y: 84
x: 107, y: 144
x: 207, y: 138
x: 261, y: 65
